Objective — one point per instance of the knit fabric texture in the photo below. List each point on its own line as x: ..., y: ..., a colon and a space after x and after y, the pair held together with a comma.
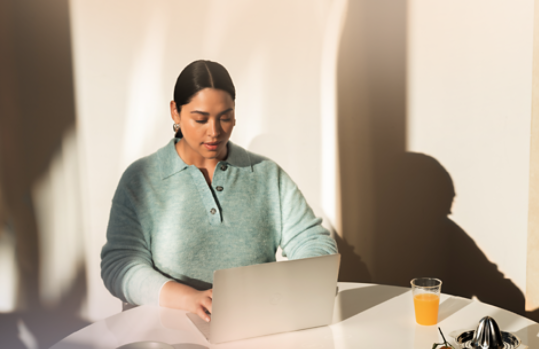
x: 166, y: 223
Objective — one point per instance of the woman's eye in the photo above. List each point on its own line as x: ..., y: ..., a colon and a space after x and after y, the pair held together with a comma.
x: 226, y: 119
x: 200, y: 121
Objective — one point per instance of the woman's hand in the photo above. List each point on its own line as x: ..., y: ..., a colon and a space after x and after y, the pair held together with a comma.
x: 180, y: 296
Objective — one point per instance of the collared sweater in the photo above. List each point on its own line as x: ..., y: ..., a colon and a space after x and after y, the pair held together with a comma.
x: 166, y: 223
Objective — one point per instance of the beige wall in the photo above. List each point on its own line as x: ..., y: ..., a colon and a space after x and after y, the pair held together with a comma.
x: 388, y: 79
x: 532, y: 285
x: 128, y: 57
x: 469, y: 107
x: 434, y: 100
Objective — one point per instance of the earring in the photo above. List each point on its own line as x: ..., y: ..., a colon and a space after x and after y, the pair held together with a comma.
x: 175, y: 127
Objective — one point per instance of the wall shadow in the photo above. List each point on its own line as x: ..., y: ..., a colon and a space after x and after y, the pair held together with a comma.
x: 423, y: 241
x: 371, y: 116
x: 352, y: 268
x: 37, y: 109
x: 395, y: 205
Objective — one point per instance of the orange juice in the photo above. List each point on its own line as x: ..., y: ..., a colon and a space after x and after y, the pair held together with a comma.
x: 426, y: 308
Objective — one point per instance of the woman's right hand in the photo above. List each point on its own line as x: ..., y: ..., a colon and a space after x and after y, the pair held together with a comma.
x: 180, y: 296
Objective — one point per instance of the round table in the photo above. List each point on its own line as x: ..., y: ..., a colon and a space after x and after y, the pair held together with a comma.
x: 365, y: 316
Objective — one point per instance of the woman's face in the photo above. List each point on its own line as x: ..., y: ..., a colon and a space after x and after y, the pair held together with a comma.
x: 206, y: 123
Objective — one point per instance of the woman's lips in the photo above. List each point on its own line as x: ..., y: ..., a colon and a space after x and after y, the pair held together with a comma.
x: 212, y: 145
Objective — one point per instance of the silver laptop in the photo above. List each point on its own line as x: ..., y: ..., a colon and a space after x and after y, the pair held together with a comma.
x: 270, y: 298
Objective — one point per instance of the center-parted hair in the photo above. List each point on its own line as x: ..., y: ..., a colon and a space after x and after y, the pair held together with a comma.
x: 198, y: 76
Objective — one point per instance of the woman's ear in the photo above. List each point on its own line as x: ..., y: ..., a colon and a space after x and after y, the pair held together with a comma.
x: 174, y: 113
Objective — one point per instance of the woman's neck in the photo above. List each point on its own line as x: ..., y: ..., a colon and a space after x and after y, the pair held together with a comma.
x: 190, y: 157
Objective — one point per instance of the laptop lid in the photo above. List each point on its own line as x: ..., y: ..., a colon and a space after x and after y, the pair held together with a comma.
x: 270, y: 298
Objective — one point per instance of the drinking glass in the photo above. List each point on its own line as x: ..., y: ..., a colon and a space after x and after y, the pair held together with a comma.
x: 426, y: 293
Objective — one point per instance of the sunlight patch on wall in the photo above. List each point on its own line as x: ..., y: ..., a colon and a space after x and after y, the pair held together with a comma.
x: 328, y: 106
x: 8, y: 270
x: 251, y: 102
x: 144, y: 88
x: 217, y: 25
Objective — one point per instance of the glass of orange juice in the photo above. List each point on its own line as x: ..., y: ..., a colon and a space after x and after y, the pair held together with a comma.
x: 426, y: 292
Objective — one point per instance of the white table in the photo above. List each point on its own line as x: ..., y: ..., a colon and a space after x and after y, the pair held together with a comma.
x: 365, y: 316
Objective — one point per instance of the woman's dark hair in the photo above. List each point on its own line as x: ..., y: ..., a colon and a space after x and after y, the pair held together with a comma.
x: 200, y: 75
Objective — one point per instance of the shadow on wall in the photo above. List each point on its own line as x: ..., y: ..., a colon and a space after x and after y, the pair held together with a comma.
x: 421, y: 240
x: 37, y: 109
x: 417, y: 238
x: 394, y: 204
x: 371, y: 106
x: 352, y: 267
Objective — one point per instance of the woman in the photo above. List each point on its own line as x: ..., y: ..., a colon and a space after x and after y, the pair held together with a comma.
x: 202, y: 203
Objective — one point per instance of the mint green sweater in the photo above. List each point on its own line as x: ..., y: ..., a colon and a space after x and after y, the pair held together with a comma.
x: 166, y: 222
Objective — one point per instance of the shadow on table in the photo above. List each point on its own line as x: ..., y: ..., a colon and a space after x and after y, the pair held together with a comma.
x: 319, y: 337
x: 450, y: 306
x: 529, y: 336
x: 70, y: 345
x: 42, y: 326
x: 352, y: 302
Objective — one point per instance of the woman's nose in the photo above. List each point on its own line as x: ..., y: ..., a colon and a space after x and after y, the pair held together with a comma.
x: 215, y: 128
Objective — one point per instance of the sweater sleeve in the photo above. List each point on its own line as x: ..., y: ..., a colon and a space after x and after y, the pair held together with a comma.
x: 303, y: 235
x: 127, y: 268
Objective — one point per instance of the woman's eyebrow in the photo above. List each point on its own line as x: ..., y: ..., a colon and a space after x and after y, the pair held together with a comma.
x: 204, y: 113
x: 200, y: 112
x: 225, y: 111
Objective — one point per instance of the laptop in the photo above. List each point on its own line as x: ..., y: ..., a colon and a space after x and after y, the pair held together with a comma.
x: 263, y: 299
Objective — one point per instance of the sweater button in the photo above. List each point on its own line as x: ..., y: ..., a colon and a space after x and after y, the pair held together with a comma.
x: 219, y: 188
x: 223, y: 167
x: 212, y: 211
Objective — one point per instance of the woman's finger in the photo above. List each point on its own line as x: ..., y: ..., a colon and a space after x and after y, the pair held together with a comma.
x: 202, y: 313
x: 207, y: 302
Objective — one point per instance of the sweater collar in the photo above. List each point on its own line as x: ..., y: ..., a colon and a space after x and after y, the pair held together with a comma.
x: 171, y: 163
x: 238, y: 157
